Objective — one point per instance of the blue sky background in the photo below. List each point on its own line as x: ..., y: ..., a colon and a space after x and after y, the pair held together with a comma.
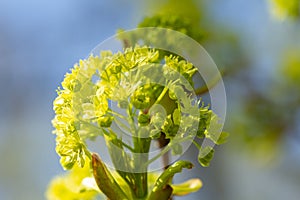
x: 40, y: 40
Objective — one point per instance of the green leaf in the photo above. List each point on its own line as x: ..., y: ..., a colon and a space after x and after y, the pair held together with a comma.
x: 162, y: 194
x: 185, y: 188
x: 217, y: 137
x: 106, y: 181
x: 162, y: 189
x: 223, y: 138
x: 205, y: 117
x: 176, y: 116
x: 205, y: 156
x: 213, y: 131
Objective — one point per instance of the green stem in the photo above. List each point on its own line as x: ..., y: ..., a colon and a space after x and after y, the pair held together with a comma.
x: 140, y: 187
x: 161, y: 96
x: 122, y: 125
x: 131, y: 115
x: 162, y: 152
x: 166, y: 149
x: 196, y: 144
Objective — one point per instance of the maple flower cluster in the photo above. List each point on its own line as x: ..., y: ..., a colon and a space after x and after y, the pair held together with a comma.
x: 137, y: 80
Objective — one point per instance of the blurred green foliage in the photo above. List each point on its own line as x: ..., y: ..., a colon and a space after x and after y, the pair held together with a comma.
x: 265, y: 115
x: 268, y: 115
x: 283, y: 9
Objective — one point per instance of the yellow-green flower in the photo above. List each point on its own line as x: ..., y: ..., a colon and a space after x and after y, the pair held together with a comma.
x: 71, y: 186
x: 135, y: 79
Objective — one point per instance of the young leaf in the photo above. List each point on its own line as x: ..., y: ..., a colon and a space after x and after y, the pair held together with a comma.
x: 162, y: 188
x: 106, y: 181
x: 222, y: 138
x: 163, y: 194
x: 185, y: 188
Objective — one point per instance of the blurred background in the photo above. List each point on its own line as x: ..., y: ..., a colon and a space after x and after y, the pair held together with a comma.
x: 255, y: 44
